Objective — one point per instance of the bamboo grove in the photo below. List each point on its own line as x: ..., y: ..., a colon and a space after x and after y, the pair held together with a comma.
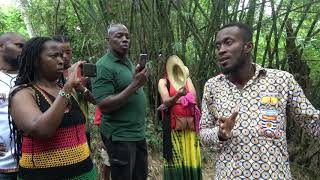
x: 286, y: 36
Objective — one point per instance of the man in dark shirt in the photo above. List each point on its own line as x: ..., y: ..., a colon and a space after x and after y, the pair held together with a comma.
x: 120, y: 97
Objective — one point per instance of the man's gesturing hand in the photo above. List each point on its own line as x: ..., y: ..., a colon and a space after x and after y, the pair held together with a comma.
x: 226, y: 125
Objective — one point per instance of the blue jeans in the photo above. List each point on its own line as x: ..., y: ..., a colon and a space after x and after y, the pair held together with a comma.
x: 128, y: 160
x: 8, y: 176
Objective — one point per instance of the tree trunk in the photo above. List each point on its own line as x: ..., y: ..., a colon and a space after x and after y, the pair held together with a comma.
x: 22, y: 6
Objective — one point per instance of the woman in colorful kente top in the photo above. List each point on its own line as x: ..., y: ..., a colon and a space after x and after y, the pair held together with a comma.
x: 48, y: 124
x: 181, y: 149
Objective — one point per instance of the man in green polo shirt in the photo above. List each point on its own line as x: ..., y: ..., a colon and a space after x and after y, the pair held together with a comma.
x: 120, y: 97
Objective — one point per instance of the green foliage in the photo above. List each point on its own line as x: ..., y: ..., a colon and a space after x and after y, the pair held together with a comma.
x: 154, y: 136
x: 11, y: 21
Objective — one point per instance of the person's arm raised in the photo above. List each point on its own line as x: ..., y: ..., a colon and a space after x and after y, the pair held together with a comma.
x: 114, y: 102
x: 86, y: 93
x: 164, y: 93
x: 30, y: 120
x: 214, y: 129
x: 28, y: 117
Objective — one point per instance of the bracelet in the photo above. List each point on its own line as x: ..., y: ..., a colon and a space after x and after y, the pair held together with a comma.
x: 64, y: 94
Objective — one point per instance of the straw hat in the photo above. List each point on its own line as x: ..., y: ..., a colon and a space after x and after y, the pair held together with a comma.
x: 177, y: 72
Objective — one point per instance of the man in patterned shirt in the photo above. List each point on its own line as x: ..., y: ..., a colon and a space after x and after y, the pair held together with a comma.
x: 245, y: 111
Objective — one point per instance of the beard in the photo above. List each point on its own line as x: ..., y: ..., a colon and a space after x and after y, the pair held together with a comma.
x: 240, y: 61
x: 12, y: 61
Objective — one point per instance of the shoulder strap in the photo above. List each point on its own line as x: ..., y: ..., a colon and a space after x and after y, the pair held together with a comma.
x: 39, y: 94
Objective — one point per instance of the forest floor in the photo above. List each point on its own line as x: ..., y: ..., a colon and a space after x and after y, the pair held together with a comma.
x: 208, y: 163
x: 154, y: 156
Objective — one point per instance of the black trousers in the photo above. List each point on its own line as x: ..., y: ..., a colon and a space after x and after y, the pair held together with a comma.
x: 128, y: 160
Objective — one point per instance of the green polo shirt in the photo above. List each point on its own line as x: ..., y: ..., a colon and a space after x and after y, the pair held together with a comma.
x: 128, y: 122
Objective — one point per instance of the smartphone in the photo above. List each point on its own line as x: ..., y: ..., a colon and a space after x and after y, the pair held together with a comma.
x: 143, y: 60
x: 88, y: 70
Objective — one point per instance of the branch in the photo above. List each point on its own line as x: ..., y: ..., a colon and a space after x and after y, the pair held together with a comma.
x: 56, y: 17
